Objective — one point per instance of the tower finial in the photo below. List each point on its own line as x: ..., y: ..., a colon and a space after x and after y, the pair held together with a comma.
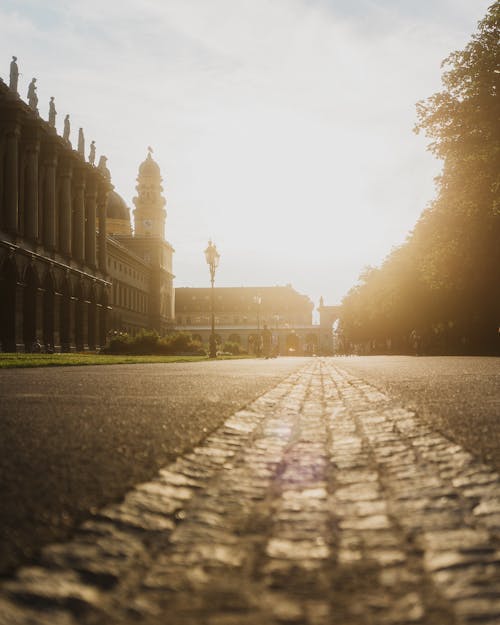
x: 150, y: 151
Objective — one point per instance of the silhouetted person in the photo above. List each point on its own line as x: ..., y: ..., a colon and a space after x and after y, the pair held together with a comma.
x: 81, y: 143
x: 92, y: 153
x: 32, y: 96
x: 52, y: 113
x: 14, y: 74
x: 67, y: 128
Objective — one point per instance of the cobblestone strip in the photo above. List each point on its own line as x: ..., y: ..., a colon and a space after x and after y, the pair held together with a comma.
x: 419, y: 507
x: 322, y: 503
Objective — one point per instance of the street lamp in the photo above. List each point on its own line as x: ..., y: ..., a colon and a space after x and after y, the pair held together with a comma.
x: 212, y: 257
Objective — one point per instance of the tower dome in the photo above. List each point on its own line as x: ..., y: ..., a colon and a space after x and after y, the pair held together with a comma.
x: 117, y: 215
x: 116, y: 207
x: 149, y: 213
x: 149, y: 167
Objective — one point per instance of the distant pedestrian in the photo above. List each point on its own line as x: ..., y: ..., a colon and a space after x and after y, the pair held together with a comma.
x: 415, y: 341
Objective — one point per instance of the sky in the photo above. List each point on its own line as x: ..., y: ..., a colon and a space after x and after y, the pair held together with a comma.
x: 283, y: 128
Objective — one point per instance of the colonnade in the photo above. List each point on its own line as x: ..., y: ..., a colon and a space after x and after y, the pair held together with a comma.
x: 51, y: 199
x: 53, y: 287
x: 47, y: 308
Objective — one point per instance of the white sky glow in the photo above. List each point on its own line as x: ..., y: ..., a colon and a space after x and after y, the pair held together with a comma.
x: 283, y: 128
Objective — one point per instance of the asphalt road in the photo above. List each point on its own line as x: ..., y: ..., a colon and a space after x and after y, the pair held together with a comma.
x: 76, y: 438
x: 458, y: 395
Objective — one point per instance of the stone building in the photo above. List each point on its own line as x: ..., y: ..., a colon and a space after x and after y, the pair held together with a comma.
x: 54, y: 286
x: 242, y: 312
x: 71, y: 267
x: 140, y: 261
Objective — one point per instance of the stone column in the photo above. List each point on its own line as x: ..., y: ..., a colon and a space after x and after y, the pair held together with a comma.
x: 79, y: 216
x: 65, y: 208
x: 49, y: 217
x: 90, y: 221
x: 102, y: 196
x: 11, y: 179
x: 31, y: 189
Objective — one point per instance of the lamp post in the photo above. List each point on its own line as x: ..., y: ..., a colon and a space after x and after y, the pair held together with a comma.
x: 212, y: 257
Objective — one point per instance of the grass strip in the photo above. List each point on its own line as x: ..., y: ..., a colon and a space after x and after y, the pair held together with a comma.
x: 8, y: 361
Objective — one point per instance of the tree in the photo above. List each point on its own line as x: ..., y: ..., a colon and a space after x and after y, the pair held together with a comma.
x: 447, y: 275
x: 460, y: 234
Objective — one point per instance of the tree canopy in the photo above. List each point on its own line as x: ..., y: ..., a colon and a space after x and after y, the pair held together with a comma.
x: 444, y: 282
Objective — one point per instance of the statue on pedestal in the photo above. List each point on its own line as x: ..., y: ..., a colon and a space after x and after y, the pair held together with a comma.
x: 52, y: 113
x: 32, y: 96
x: 67, y: 128
x: 92, y: 153
x: 102, y: 166
x: 81, y: 143
x: 14, y: 74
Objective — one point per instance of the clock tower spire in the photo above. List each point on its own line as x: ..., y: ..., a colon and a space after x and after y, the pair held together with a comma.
x: 149, y: 214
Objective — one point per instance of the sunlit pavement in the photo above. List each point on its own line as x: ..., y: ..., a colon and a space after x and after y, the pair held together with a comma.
x: 323, y: 502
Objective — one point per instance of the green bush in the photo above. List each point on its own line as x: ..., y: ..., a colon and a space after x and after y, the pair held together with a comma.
x: 150, y: 343
x: 231, y: 347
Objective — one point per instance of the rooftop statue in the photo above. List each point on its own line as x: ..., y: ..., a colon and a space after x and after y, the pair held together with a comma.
x: 81, y: 143
x: 32, y: 96
x: 92, y: 153
x: 67, y: 128
x: 102, y: 166
x: 52, y: 113
x: 14, y: 74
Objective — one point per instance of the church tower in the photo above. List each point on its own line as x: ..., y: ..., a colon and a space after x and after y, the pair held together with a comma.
x: 149, y: 214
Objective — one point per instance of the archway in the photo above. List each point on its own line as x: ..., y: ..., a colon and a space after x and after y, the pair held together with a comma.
x: 79, y: 317
x: 292, y: 344
x: 92, y: 320
x: 8, y: 282
x: 30, y: 309
x: 103, y: 317
x: 311, y: 343
x: 255, y: 344
x: 48, y: 313
x: 65, y: 316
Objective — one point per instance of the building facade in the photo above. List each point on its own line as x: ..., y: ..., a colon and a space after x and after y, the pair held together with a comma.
x: 72, y: 269
x: 54, y: 287
x: 242, y: 313
x: 140, y: 260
